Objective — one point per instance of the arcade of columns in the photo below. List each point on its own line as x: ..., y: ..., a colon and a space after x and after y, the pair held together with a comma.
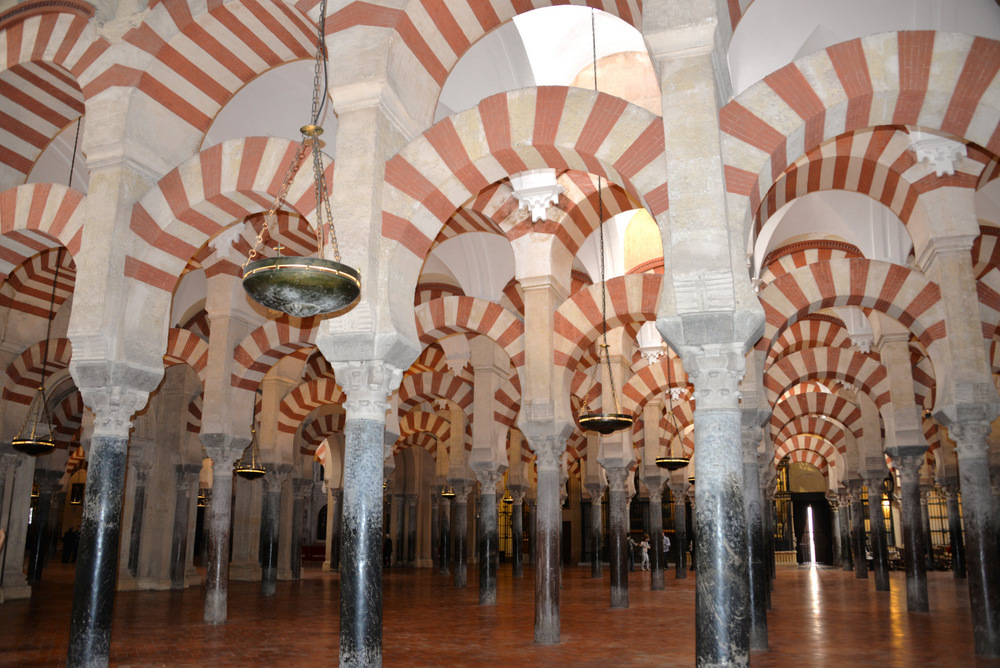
x: 762, y: 370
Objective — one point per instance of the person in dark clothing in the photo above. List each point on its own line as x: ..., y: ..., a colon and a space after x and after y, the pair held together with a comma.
x: 386, y: 551
x: 71, y: 541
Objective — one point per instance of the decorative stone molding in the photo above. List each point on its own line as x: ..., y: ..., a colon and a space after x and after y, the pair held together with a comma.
x: 368, y: 385
x: 716, y: 372
x: 970, y: 438
x: 536, y: 190
x: 113, y: 408
x: 706, y: 291
x: 548, y: 450
x: 864, y: 342
x: 275, y: 476
x: 617, y: 478
x: 941, y: 153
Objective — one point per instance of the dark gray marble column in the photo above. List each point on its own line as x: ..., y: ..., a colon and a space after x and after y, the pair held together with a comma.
x: 411, y: 529
x: 770, y: 560
x: 835, y: 529
x: 97, y: 564
x: 983, y: 556
x: 270, y: 518
x: 680, y: 530
x: 444, y: 535
x: 436, y: 528
x: 187, y: 478
x: 722, y: 598
x: 618, y: 519
x: 751, y: 435
x: 656, y: 556
x: 224, y: 450
x: 302, y: 489
x: 461, y: 504
x: 595, y: 529
x: 517, y: 492
x: 907, y: 461
x: 955, y: 530
x: 547, y: 536
x: 858, y: 531
x: 361, y: 554
x: 847, y: 547
x: 489, y: 538
x: 532, y: 529
x: 141, y: 472
x: 925, y: 525
x: 48, y: 484
x: 336, y: 528
x: 399, y: 540
x: 876, y: 524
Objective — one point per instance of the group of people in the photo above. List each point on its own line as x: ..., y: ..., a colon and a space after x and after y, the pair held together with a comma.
x: 644, y: 546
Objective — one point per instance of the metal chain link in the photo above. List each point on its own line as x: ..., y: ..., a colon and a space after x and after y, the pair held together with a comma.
x: 285, y: 185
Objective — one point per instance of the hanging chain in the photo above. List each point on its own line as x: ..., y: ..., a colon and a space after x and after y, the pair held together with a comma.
x: 285, y: 185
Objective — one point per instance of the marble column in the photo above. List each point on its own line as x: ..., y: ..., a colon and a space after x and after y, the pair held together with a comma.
x: 618, y: 519
x: 436, y: 528
x: 444, y: 536
x: 141, y: 472
x: 680, y: 529
x: 187, y: 478
x: 489, y: 537
x: 335, y: 523
x: 835, y: 530
x: 367, y: 386
x: 847, y: 548
x: 982, y: 553
x: 461, y: 506
x: 97, y: 564
x: 751, y: 436
x: 908, y: 461
x: 925, y: 525
x: 656, y: 556
x: 596, y: 529
x: 858, y: 531
x: 48, y: 485
x: 411, y: 529
x: 532, y: 530
x: 876, y: 529
x: 301, y: 489
x: 771, y: 566
x: 224, y: 450
x: 270, y: 518
x: 547, y: 536
x: 722, y: 599
x: 517, y: 492
x: 955, y: 531
x: 399, y: 540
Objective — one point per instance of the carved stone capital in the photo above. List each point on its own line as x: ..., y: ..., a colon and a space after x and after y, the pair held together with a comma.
x: 187, y: 476
x: 517, y: 492
x: 113, y: 409
x: 655, y: 486
x: 595, y: 490
x: 368, y: 385
x: 970, y: 438
x: 224, y: 450
x: 275, y: 476
x: 463, y: 487
x: 548, y: 450
x: 908, y: 464
x: 716, y: 372
x: 488, y: 478
x: 617, y: 478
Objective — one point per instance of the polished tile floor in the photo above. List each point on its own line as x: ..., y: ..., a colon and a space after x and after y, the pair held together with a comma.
x: 820, y: 617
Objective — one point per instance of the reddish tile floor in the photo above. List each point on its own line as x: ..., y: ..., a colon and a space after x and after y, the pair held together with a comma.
x: 819, y: 618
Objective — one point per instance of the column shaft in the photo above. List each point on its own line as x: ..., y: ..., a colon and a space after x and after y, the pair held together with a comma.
x: 880, y: 546
x: 955, y: 533
x: 411, y: 530
x: 40, y: 539
x: 298, y: 517
x: 858, y: 535
x: 914, y: 547
x: 846, y: 544
x: 618, y: 525
x: 489, y: 545
x: 596, y: 537
x: 218, y: 524
x: 97, y: 565
x: 835, y: 529
x: 517, y: 537
x: 656, y: 556
x: 461, y: 531
x: 135, y: 532
x: 444, y: 536
x: 270, y: 515
x: 545, y: 548
x: 756, y: 561
x: 680, y: 536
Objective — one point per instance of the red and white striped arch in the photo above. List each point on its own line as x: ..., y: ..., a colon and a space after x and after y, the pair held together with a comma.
x: 816, y: 403
x: 316, y: 367
x: 861, y: 370
x: 194, y: 414
x: 197, y: 60
x: 184, y: 347
x: 67, y: 416
x: 304, y: 399
x: 24, y: 374
x: 814, y: 331
x: 631, y: 301
x: 32, y: 216
x: 988, y: 291
x: 683, y: 413
x: 29, y: 287
x: 815, y: 425
x: 429, y: 386
x: 454, y: 315
x: 47, y: 53
x: 986, y: 250
x: 434, y: 36
x: 197, y: 200
x: 422, y: 421
x: 942, y: 82
x: 507, y: 402
x: 651, y: 381
x: 808, y: 450
x: 899, y: 292
x: 254, y: 356
x: 803, y: 253
x: 432, y: 358
x: 419, y: 439
x: 549, y: 126
x: 875, y: 162
x: 320, y: 429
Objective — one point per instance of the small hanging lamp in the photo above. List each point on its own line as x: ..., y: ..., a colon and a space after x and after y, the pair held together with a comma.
x: 305, y: 286
x: 603, y: 423
x: 507, y: 498
x: 672, y: 463
x: 254, y: 468
x: 35, y: 436
x: 448, y: 492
